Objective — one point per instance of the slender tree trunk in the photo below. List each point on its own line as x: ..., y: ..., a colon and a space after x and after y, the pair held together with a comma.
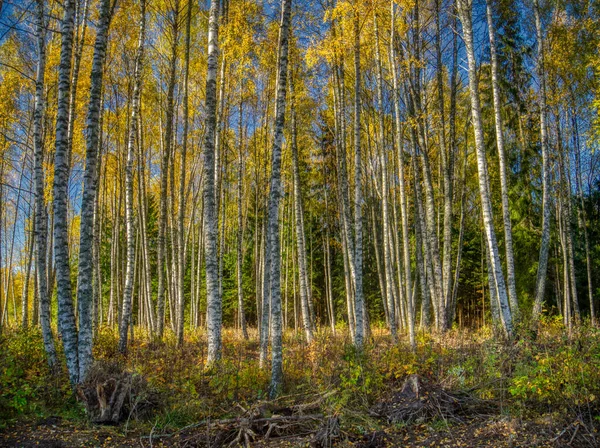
x: 359, y: 317
x: 447, y: 175
x: 214, y: 305
x: 583, y: 217
x: 495, y: 271
x: 88, y: 201
x: 387, y: 243
x: 183, y: 170
x: 240, y: 223
x: 402, y: 184
x: 164, y: 173
x: 25, y: 295
x: 545, y: 241
x: 66, y: 315
x: 78, y: 52
x: 275, y: 194
x: 510, y: 263
x: 129, y: 216
x: 299, y: 222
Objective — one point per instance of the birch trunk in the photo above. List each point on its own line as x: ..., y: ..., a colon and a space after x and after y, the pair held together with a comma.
x: 545, y: 241
x: 359, y: 311
x: 496, y: 274
x: 66, y: 314
x: 510, y: 263
x: 240, y: 223
x: 164, y: 174
x: 183, y: 170
x: 86, y: 269
x: 129, y: 216
x: 275, y: 194
x: 402, y: 184
x: 387, y: 243
x: 41, y: 217
x: 299, y: 223
x: 214, y: 305
x: 447, y: 175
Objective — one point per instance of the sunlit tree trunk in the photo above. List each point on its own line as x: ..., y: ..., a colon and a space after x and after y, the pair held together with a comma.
x: 299, y: 222
x: 214, y: 305
x: 410, y: 306
x: 495, y: 268
x: 387, y: 241
x: 359, y: 311
x: 183, y: 170
x: 275, y: 194
x: 66, y: 314
x: 510, y: 264
x: 129, y: 175
x: 164, y: 176
x: 240, y: 222
x: 41, y: 217
x: 88, y: 201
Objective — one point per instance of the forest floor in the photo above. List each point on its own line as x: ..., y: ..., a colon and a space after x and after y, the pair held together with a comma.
x: 493, y: 431
x: 465, y: 389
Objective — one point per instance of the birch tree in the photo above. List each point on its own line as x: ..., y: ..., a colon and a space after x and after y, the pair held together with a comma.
x: 496, y: 275
x: 41, y: 217
x: 275, y: 194
x: 129, y: 176
x: 66, y: 314
x: 214, y: 304
x: 540, y: 286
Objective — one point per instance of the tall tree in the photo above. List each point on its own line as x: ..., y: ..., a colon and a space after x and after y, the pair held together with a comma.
x: 88, y: 200
x: 183, y: 170
x: 66, y: 314
x: 540, y: 286
x: 510, y: 263
x: 303, y: 282
x: 164, y: 171
x: 359, y: 311
x: 275, y: 194
x: 390, y: 287
x: 495, y: 269
x: 214, y: 304
x: 41, y: 217
x: 129, y: 176
x: 401, y: 181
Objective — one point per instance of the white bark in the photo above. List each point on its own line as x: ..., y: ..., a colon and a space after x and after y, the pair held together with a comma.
x: 510, y: 263
x: 546, y: 206
x: 66, y: 315
x: 41, y: 217
x: 214, y: 305
x: 299, y: 223
x: 496, y: 274
x: 275, y: 195
x: 88, y: 201
x: 359, y: 311
x: 129, y: 215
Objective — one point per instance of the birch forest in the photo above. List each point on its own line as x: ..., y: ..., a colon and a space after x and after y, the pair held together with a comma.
x: 285, y: 223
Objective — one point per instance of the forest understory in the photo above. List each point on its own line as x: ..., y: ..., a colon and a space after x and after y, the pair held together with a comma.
x: 465, y: 388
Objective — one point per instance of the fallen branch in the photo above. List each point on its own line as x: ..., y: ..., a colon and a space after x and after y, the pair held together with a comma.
x: 241, y: 422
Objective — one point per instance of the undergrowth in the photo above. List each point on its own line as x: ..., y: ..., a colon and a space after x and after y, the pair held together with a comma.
x: 549, y: 373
